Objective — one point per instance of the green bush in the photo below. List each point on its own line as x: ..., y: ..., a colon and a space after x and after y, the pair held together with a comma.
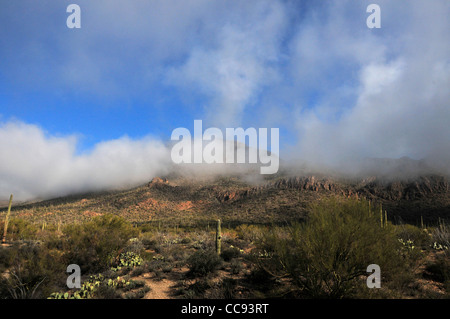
x: 412, y: 240
x: 441, y: 238
x: 20, y: 229
x: 328, y: 254
x: 93, y: 245
x: 34, y: 271
x: 203, y: 262
x: 249, y: 232
x: 127, y: 260
x: 439, y: 269
x: 134, y: 245
x: 105, y: 291
x: 197, y: 290
x: 139, y: 270
x: 149, y: 242
x: 235, y: 266
x: 230, y: 253
x: 186, y: 240
x: 411, y: 233
x: 99, y: 287
x: 224, y: 289
x: 138, y: 294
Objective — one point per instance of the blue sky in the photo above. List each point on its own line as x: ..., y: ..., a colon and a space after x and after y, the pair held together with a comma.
x: 113, y: 91
x: 37, y: 48
x: 101, y: 85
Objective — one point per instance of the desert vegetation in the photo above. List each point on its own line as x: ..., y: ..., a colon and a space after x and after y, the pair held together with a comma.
x: 322, y: 256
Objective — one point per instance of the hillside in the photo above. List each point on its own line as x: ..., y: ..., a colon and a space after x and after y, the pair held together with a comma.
x: 236, y: 200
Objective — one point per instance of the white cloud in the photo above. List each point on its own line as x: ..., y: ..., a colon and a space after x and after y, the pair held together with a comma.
x: 33, y: 164
x: 233, y: 72
x: 378, y: 77
x: 402, y: 98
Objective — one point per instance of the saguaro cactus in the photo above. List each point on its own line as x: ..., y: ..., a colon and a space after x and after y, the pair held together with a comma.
x: 381, y: 216
x: 218, y: 237
x: 385, y: 218
x: 5, y: 229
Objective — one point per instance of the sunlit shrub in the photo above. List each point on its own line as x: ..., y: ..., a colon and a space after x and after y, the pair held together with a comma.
x: 20, y: 229
x: 93, y: 245
x: 410, y: 233
x: 249, y: 232
x: 441, y: 238
x: 328, y: 254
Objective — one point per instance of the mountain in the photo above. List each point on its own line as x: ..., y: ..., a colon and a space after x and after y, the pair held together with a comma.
x: 239, y: 199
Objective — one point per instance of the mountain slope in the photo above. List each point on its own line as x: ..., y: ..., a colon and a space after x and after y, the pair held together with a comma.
x: 282, y: 198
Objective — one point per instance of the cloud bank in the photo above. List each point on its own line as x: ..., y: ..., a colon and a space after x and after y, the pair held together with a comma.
x: 402, y: 101
x: 35, y: 165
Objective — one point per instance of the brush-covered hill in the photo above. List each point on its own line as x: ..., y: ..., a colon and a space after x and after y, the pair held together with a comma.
x: 238, y: 199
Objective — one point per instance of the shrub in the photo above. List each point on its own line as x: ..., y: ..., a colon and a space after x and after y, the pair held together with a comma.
x: 138, y: 294
x: 230, y: 253
x: 20, y: 229
x: 235, y: 266
x: 412, y: 240
x: 197, y: 289
x: 33, y: 272
x: 137, y: 271
x: 228, y: 286
x: 105, y: 291
x: 93, y: 245
x: 148, y: 241
x: 439, y: 269
x: 413, y: 234
x: 186, y: 240
x: 127, y: 260
x: 249, y: 232
x: 134, y: 245
x: 261, y: 282
x: 326, y: 255
x: 224, y: 289
x: 441, y: 238
x: 203, y: 262
x: 100, y: 287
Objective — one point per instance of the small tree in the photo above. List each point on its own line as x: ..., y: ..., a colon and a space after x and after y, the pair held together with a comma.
x: 326, y: 255
x: 94, y: 244
x: 203, y: 262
